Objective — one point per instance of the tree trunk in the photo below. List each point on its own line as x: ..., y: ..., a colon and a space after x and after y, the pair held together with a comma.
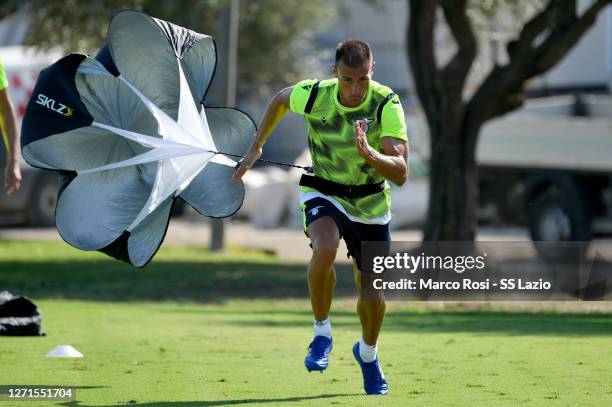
x: 453, y: 183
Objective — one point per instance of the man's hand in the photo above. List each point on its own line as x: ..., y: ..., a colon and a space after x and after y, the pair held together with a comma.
x: 12, y: 177
x: 392, y: 163
x: 247, y: 162
x: 361, y: 141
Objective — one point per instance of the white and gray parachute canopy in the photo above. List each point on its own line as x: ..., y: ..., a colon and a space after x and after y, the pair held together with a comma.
x: 128, y: 132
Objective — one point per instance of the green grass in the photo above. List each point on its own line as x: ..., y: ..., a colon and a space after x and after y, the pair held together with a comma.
x: 197, y: 329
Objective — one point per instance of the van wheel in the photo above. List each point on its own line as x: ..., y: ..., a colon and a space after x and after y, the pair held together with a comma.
x: 559, y: 215
x: 44, y: 200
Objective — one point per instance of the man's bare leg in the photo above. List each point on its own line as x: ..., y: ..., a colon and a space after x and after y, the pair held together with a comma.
x: 325, y: 239
x: 371, y: 311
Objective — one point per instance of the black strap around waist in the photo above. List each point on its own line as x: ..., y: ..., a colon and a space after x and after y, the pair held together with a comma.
x: 333, y: 188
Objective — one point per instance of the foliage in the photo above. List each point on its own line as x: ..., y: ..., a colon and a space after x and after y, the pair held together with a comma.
x: 275, y: 38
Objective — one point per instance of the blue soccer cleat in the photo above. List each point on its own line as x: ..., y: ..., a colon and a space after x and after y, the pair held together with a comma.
x: 374, y: 381
x: 317, y: 357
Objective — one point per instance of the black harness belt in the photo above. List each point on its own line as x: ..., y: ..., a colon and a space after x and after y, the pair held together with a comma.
x: 346, y: 191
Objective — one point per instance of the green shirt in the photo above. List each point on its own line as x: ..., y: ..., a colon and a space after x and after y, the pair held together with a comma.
x: 331, y: 141
x: 3, y: 79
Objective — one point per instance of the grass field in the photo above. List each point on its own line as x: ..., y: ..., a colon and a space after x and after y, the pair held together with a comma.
x: 197, y: 329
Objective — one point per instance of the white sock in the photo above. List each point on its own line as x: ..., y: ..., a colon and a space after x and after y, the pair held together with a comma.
x: 367, y: 352
x: 323, y: 328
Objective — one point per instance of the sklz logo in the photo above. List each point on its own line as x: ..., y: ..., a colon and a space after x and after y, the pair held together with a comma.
x: 54, y: 105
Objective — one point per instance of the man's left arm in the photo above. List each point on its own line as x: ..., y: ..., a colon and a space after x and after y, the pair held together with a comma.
x: 12, y: 179
x: 392, y: 163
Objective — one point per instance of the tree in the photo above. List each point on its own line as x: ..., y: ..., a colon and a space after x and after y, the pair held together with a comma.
x: 455, y: 118
x: 274, y: 40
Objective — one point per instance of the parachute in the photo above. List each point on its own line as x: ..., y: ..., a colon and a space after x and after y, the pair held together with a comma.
x: 129, y: 134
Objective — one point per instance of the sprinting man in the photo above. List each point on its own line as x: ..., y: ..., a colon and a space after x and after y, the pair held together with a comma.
x: 357, y: 139
x: 8, y: 127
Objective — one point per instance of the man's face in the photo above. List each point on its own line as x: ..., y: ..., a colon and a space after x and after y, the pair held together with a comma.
x: 353, y: 83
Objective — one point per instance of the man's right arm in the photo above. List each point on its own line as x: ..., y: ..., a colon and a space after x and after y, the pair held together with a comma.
x: 276, y: 110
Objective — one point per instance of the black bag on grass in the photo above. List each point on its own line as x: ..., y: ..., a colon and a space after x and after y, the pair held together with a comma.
x: 19, y: 316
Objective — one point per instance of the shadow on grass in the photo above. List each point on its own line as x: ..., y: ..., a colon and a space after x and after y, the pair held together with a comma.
x: 221, y: 402
x: 207, y: 281
x: 215, y: 280
x: 476, y: 322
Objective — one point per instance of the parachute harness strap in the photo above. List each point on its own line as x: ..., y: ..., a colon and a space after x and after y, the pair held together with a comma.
x: 307, y: 169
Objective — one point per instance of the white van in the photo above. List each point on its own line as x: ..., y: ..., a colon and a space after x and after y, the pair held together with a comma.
x: 34, y: 204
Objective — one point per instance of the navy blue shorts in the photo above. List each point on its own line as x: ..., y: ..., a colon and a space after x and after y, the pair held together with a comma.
x: 353, y: 233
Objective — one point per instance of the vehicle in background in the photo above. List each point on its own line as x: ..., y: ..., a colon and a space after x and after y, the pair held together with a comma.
x: 34, y: 203
x: 548, y: 167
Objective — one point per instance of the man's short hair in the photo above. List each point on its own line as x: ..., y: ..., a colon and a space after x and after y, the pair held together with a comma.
x: 354, y: 53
